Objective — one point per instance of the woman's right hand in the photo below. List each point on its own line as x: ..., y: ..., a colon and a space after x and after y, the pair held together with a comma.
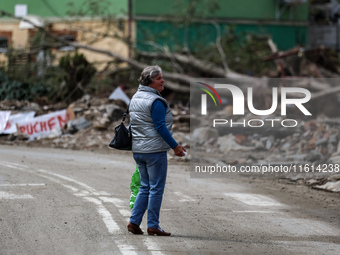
x: 180, y: 151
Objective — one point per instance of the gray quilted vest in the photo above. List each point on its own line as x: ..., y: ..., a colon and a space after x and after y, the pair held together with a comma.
x: 145, y: 138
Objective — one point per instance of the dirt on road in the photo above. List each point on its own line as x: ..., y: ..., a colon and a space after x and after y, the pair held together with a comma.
x: 78, y: 203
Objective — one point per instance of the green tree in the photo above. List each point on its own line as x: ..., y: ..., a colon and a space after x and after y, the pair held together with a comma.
x: 78, y: 73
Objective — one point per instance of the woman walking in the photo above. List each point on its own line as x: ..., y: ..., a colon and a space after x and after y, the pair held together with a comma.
x: 151, y: 124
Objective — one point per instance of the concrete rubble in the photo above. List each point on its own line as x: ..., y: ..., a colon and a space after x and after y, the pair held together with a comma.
x: 316, y: 142
x: 92, y: 126
x: 311, y: 150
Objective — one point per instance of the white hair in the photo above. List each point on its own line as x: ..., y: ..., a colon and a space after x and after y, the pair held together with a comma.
x: 148, y: 74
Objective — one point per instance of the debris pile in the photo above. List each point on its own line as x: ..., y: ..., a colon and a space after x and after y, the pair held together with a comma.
x: 90, y: 125
x: 311, y: 149
x: 313, y: 143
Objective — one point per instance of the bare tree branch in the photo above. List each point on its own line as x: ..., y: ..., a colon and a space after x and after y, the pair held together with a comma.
x: 174, y: 79
x: 168, y: 54
x: 219, y: 47
x: 324, y: 93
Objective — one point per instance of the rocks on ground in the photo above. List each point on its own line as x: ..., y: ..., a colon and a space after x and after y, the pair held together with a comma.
x: 314, y: 143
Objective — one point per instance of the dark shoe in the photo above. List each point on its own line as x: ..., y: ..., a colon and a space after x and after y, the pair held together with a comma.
x: 134, y: 229
x: 157, y: 232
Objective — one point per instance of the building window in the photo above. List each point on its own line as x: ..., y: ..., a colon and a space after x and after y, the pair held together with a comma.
x: 5, y: 40
x: 3, y: 44
x: 67, y: 35
x: 69, y: 38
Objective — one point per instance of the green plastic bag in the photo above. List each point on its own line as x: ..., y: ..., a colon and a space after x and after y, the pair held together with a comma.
x: 134, y: 186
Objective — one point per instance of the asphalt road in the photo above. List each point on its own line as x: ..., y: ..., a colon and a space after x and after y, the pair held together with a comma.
x: 73, y: 202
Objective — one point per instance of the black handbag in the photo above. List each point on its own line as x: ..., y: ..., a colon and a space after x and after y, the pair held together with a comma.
x: 122, y: 139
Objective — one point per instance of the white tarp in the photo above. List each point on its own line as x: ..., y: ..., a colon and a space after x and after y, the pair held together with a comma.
x: 4, y: 116
x: 118, y: 93
x: 31, y: 21
x: 44, y: 125
x: 16, y: 118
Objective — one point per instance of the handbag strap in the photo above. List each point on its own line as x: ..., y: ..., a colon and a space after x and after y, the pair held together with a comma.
x: 126, y: 113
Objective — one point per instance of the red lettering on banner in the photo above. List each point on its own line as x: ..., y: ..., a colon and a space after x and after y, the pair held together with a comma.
x: 62, y: 121
x: 29, y: 129
x: 22, y: 129
x: 51, y: 123
x: 35, y: 127
x: 43, y: 126
x: 8, y: 125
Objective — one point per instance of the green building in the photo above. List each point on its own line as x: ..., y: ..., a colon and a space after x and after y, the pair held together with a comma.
x: 181, y: 24
x: 58, y: 9
x: 178, y: 24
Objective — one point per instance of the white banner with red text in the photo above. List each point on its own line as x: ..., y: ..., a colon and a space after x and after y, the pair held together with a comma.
x: 43, y: 125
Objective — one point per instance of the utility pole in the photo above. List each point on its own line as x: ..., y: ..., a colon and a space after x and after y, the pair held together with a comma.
x: 130, y: 27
